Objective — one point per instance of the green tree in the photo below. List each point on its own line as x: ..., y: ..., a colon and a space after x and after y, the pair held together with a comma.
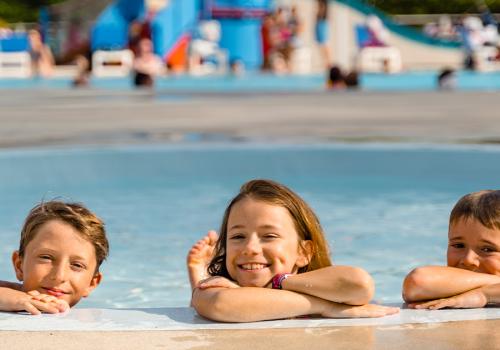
x: 433, y: 6
x: 22, y: 10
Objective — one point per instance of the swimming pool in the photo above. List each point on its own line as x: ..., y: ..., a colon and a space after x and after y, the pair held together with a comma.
x: 406, y: 81
x: 384, y: 207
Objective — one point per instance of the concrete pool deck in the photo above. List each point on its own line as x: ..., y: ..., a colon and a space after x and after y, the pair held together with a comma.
x: 32, y: 118
x: 181, y: 328
x: 80, y: 117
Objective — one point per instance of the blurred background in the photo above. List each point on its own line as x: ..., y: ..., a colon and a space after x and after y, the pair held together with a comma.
x: 152, y: 38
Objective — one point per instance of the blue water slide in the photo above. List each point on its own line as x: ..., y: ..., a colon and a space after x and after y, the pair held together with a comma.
x: 171, y: 23
x: 111, y: 29
x: 241, y: 28
x: 243, y: 4
x: 401, y: 30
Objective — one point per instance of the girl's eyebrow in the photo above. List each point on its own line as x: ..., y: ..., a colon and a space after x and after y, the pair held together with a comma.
x: 268, y: 227
x: 459, y: 238
x: 236, y: 227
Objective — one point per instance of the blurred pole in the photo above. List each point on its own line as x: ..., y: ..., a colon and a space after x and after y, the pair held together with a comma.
x: 341, y: 29
x: 206, y: 11
x: 43, y: 21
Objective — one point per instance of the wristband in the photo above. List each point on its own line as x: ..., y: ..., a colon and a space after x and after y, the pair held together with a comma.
x: 277, y: 280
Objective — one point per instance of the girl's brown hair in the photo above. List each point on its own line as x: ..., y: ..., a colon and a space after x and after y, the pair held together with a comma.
x: 306, y: 224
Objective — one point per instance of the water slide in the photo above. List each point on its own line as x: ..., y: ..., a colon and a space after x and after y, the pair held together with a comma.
x: 240, y: 24
x: 168, y: 27
x: 417, y: 50
x: 173, y: 25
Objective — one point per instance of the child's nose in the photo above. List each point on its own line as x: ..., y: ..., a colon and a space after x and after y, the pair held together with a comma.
x: 59, y: 273
x: 252, y: 245
x: 470, y: 259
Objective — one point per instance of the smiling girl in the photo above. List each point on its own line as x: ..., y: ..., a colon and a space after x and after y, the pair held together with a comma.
x: 472, y: 277
x: 271, y: 261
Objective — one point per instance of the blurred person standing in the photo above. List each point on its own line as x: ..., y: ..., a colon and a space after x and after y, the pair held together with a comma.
x: 147, y: 65
x: 42, y: 60
x: 321, y: 31
x: 335, y: 80
x: 267, y: 35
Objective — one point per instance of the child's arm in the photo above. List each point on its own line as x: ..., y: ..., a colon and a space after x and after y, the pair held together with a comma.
x: 11, y: 285
x: 249, y: 304
x: 340, y: 284
x: 32, y: 302
x: 475, y: 298
x: 435, y: 282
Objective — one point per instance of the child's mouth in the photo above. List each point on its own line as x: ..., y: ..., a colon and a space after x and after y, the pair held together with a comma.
x: 54, y: 292
x: 253, y: 266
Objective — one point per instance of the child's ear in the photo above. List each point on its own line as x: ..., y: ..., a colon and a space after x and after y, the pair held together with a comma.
x: 305, y: 253
x: 17, y: 261
x: 94, y: 282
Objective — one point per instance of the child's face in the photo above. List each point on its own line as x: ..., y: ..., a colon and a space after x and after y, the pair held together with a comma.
x: 474, y: 247
x: 262, y: 242
x: 58, y: 262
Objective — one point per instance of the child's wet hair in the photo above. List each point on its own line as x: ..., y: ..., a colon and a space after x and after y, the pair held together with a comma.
x: 306, y: 223
x: 483, y: 206
x: 86, y: 223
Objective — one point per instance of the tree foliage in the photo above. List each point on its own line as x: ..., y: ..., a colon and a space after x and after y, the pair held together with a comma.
x: 22, y: 10
x: 433, y: 6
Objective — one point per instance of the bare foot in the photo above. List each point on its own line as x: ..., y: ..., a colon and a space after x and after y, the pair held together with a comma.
x: 199, y: 257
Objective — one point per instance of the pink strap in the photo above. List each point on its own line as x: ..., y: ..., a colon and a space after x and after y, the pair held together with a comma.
x: 278, y: 280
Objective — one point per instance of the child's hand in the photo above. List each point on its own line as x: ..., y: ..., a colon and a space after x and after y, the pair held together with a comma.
x: 60, y: 304
x: 363, y: 311
x: 217, y: 282
x: 33, y: 302
x: 472, y: 299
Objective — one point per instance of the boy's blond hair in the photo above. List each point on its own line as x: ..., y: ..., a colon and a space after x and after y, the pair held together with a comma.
x: 88, y: 225
x: 483, y: 206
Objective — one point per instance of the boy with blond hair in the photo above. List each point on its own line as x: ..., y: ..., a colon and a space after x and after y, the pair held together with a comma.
x: 61, y: 249
x: 472, y: 277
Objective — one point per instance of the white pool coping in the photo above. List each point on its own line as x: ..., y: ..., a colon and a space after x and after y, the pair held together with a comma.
x: 186, y: 319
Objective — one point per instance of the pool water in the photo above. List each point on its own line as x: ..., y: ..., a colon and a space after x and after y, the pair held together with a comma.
x: 406, y: 81
x: 384, y: 207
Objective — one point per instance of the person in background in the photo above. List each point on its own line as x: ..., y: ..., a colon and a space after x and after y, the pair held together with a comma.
x: 447, y: 79
x: 335, y: 79
x: 83, y: 71
x: 321, y: 31
x: 352, y: 80
x: 147, y: 65
x: 42, y: 60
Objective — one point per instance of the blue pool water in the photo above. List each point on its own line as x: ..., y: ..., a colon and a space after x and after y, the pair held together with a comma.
x: 384, y: 207
x: 407, y: 81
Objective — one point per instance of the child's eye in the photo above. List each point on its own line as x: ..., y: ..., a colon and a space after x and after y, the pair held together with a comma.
x: 45, y: 257
x: 270, y: 235
x: 237, y: 236
x: 78, y: 266
x: 488, y: 249
x: 457, y: 245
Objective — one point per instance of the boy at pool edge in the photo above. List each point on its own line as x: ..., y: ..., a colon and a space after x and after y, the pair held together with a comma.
x: 61, y: 249
x: 472, y: 277
x: 271, y: 261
